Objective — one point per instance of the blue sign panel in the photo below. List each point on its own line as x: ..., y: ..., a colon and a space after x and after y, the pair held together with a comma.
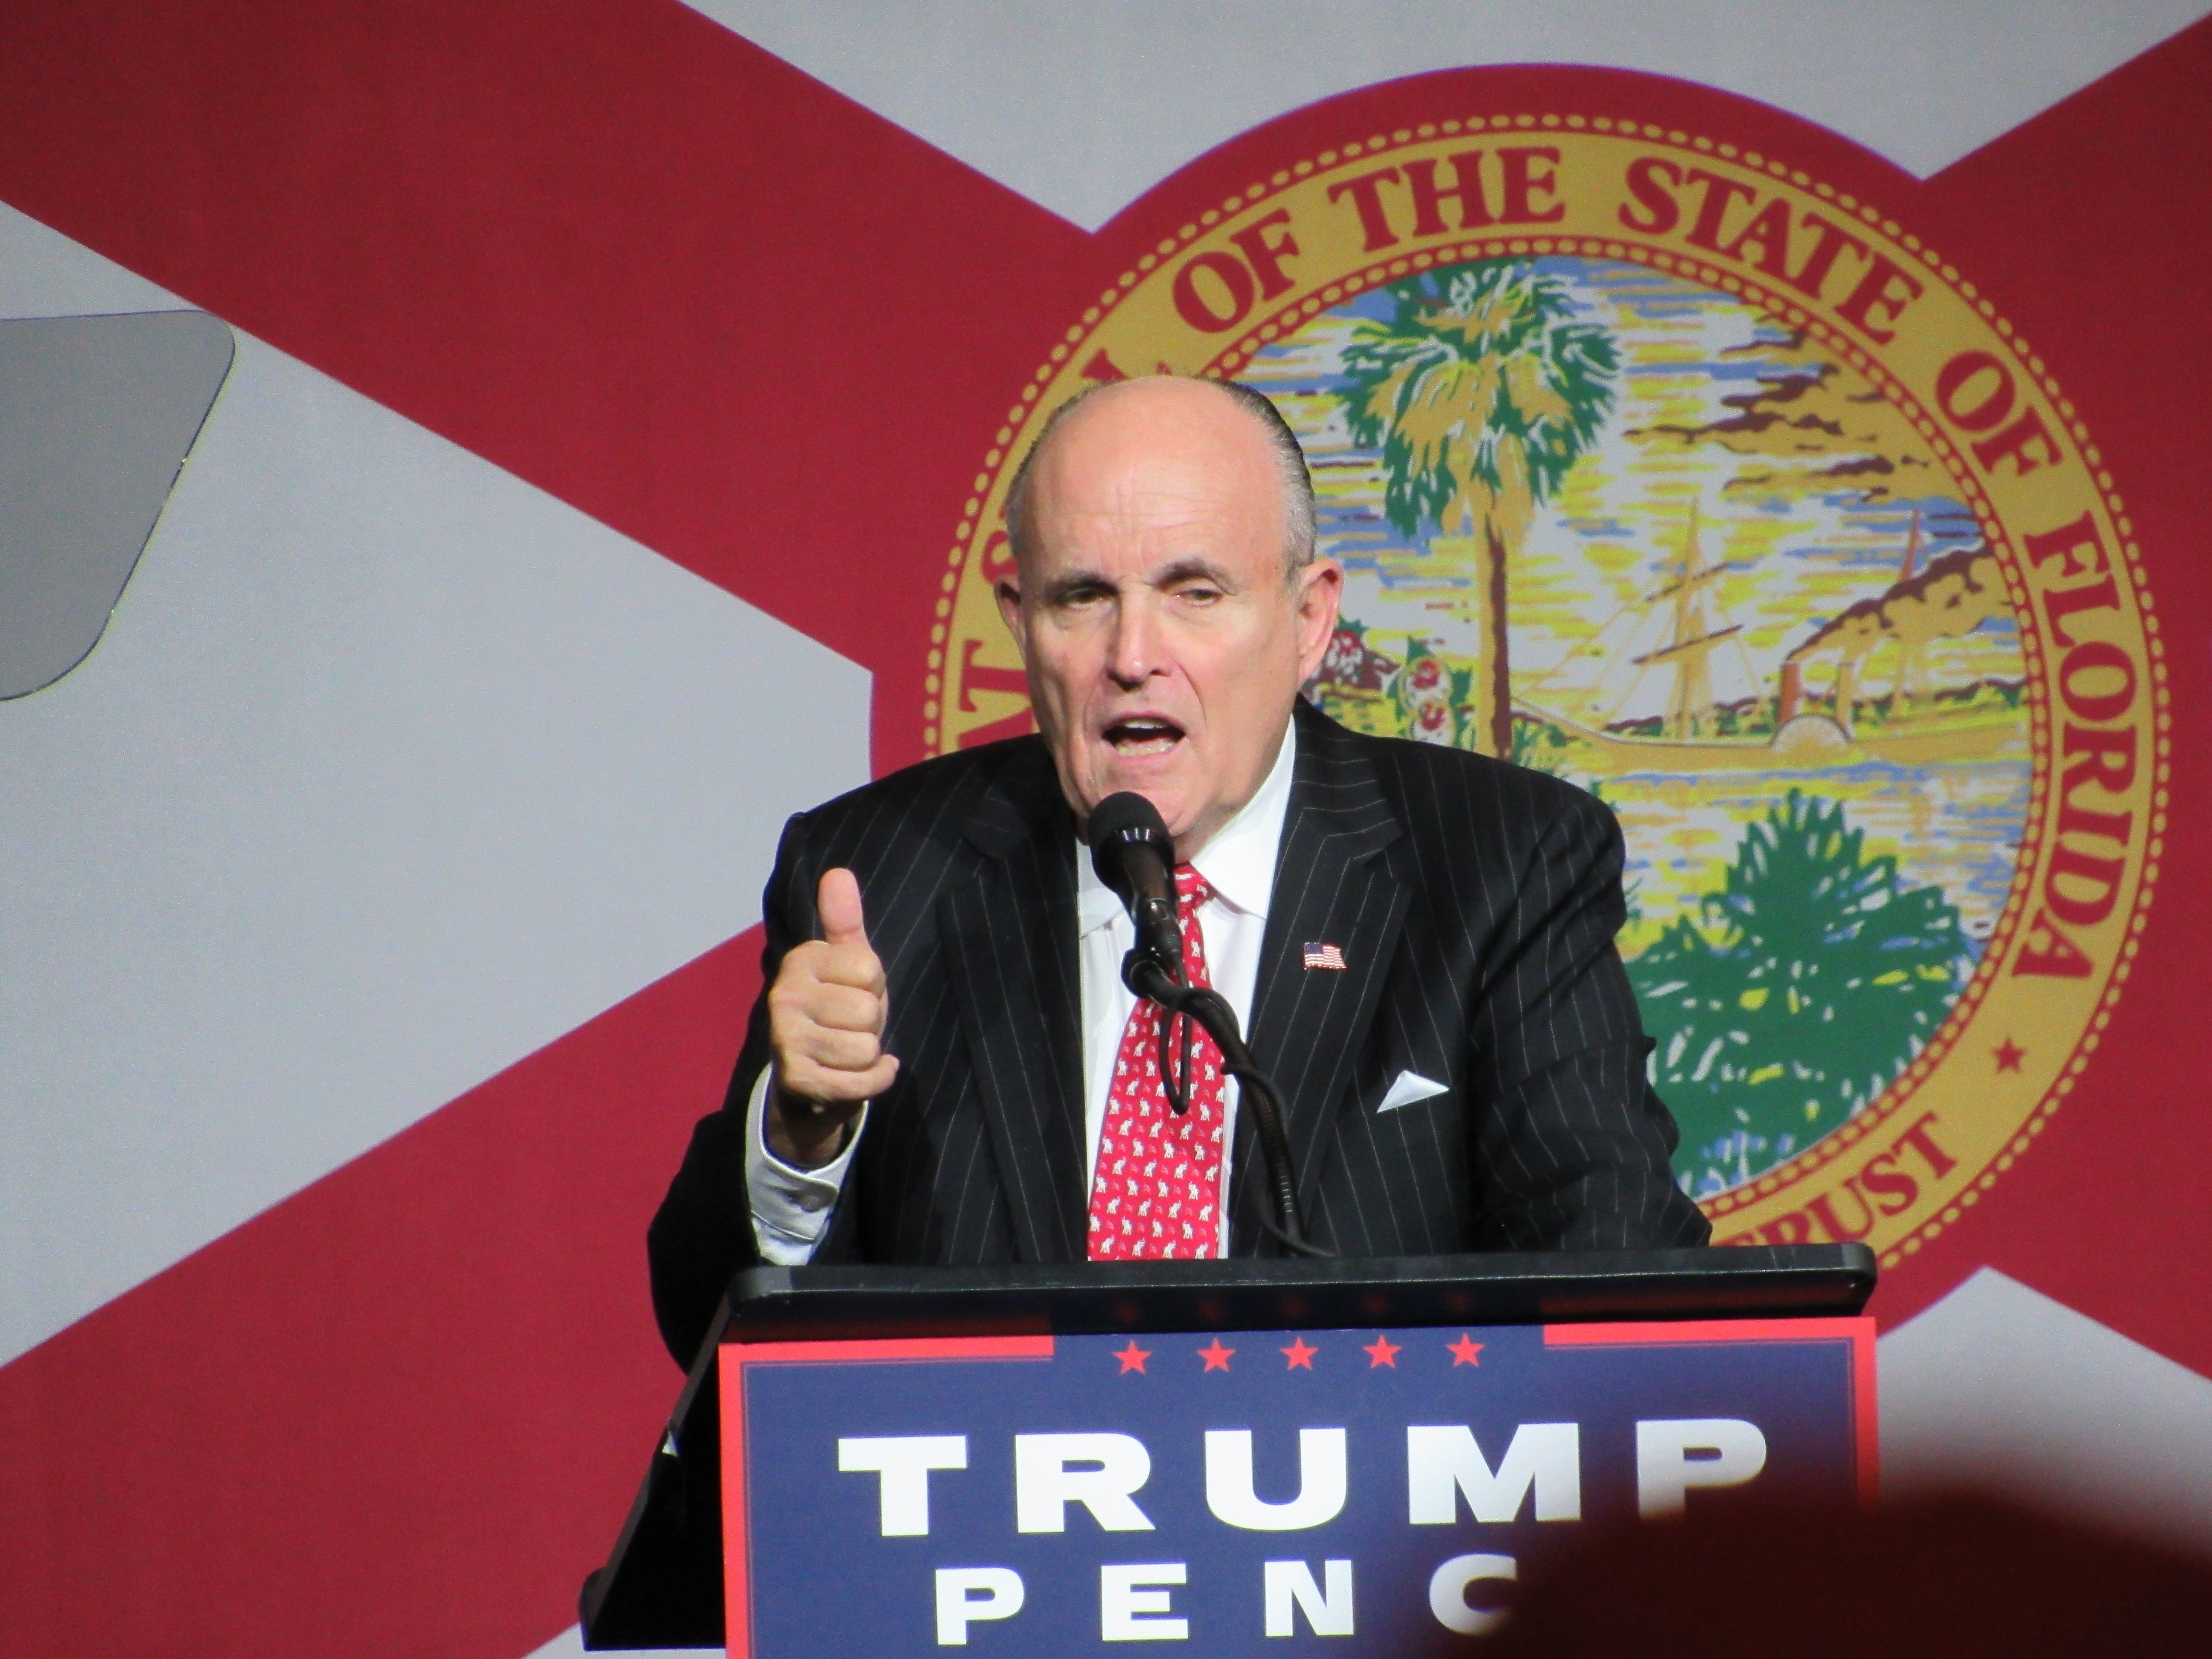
x: 1250, y: 1492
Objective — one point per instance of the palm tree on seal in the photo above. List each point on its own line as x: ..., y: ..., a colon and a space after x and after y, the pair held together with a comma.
x: 1482, y: 391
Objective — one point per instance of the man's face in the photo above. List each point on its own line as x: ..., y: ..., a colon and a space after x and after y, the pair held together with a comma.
x: 1164, y: 647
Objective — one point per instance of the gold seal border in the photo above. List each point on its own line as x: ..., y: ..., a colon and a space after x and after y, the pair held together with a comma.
x: 972, y: 530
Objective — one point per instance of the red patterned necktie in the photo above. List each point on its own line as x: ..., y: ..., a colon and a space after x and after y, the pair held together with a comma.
x: 1157, y: 1190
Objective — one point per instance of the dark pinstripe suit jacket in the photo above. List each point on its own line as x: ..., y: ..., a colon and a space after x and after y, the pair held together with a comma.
x: 1475, y: 903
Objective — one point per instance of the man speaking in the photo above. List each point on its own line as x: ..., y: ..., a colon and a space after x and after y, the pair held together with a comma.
x: 946, y: 1066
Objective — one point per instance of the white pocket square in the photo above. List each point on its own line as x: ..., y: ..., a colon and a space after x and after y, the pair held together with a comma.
x: 1410, y: 1087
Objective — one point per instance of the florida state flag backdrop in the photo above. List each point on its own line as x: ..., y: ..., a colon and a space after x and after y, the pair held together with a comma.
x: 468, y: 472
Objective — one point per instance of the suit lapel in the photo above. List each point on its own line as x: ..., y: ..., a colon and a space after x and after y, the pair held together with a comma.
x: 1020, y: 1007
x: 1331, y: 887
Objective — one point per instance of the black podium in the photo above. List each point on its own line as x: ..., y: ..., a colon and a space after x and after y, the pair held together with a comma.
x: 662, y: 1585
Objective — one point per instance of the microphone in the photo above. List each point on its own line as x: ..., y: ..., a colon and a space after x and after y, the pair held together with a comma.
x: 1134, y: 855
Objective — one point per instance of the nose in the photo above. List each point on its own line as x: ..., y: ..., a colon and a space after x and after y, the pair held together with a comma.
x: 1133, y: 655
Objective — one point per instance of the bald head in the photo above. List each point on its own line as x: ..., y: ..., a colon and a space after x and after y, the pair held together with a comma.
x: 1166, y: 596
x: 1172, y: 407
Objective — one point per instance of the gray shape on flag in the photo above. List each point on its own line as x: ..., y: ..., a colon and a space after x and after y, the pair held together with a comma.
x: 97, y: 415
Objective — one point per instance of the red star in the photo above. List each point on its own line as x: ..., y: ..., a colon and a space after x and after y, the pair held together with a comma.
x: 1382, y: 1352
x: 1133, y: 1357
x: 2009, y: 1056
x: 1464, y: 1350
x: 1217, y: 1357
x: 1299, y: 1355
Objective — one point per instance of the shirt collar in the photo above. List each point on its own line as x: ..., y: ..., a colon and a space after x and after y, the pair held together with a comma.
x: 1238, y: 863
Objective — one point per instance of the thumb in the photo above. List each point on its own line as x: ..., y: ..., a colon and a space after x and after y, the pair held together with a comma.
x: 838, y: 902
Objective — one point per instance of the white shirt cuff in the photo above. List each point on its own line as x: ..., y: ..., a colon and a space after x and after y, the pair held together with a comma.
x: 791, y: 1207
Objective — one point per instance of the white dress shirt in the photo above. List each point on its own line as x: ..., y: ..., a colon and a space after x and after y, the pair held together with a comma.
x: 791, y: 1207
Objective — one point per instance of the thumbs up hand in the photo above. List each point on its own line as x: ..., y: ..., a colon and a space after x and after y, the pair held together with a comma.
x: 825, y: 1020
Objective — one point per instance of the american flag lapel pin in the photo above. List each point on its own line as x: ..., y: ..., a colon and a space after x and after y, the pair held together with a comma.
x: 1320, y: 954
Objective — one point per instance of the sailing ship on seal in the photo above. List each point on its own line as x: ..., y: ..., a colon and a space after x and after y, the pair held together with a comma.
x: 1678, y: 627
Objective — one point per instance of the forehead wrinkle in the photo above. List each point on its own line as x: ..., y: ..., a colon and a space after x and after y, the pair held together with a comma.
x: 1142, y: 498
x: 1140, y: 514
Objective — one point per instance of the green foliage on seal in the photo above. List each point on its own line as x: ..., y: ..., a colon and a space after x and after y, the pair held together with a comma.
x: 1482, y: 391
x: 1820, y: 977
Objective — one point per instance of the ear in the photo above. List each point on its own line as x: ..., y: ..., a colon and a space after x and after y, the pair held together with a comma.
x: 1320, y: 592
x: 1008, y: 593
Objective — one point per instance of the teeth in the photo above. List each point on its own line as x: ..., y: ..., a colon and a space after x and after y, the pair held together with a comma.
x: 1138, y: 733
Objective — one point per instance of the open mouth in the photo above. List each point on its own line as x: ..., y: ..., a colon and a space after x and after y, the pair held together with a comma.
x: 1145, y: 734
